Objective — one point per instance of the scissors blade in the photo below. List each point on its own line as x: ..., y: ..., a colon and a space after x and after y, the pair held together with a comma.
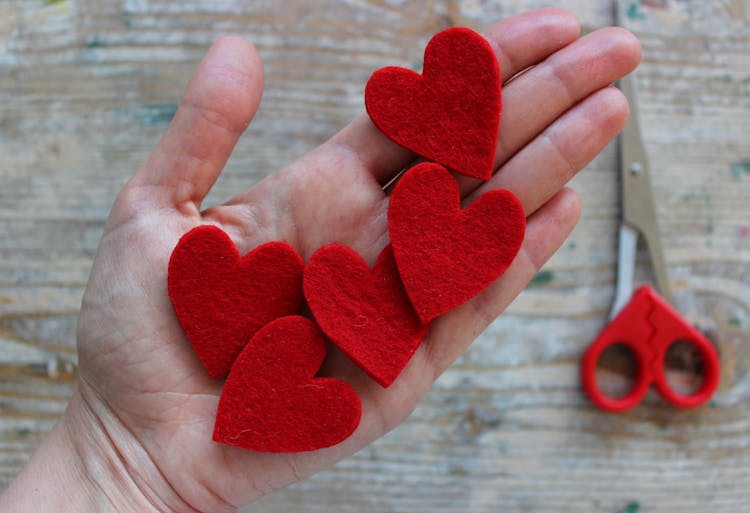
x: 638, y: 205
x: 626, y: 249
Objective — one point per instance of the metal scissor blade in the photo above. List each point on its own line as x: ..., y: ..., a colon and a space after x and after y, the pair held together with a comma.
x: 638, y: 206
x: 626, y: 248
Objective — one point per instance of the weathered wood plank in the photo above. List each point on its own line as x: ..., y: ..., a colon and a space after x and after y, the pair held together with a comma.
x: 87, y: 87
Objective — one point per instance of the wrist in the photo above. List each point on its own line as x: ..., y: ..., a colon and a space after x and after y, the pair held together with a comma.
x: 76, y: 469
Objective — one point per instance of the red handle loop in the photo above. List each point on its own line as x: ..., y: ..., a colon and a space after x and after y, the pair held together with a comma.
x: 673, y: 328
x: 588, y: 375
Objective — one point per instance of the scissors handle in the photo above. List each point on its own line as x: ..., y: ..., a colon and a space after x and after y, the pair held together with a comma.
x: 648, y: 326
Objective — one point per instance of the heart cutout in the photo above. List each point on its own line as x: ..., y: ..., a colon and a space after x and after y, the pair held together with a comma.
x: 446, y: 255
x: 222, y: 299
x: 364, y: 311
x: 450, y: 114
x: 273, y: 403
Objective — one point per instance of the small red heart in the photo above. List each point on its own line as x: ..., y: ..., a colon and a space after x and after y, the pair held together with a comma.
x: 451, y: 113
x: 366, y: 313
x: 222, y: 299
x: 273, y: 403
x: 446, y: 255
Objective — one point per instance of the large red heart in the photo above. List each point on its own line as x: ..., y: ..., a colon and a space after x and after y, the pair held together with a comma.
x: 273, y: 403
x: 365, y: 312
x: 446, y: 255
x: 222, y: 299
x: 451, y: 113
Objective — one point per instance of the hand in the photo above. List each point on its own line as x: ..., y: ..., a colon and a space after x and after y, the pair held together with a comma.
x: 142, y: 416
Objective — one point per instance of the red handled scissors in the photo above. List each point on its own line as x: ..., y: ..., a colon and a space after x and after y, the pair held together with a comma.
x: 644, y: 321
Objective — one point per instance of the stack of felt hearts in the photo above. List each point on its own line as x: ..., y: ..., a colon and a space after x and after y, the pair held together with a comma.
x: 242, y: 315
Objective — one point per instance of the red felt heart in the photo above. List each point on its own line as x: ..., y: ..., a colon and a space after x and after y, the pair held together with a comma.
x: 366, y: 313
x: 446, y: 255
x: 222, y: 299
x: 273, y: 403
x: 451, y: 113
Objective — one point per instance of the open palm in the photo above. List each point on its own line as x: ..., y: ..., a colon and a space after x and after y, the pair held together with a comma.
x: 143, y: 393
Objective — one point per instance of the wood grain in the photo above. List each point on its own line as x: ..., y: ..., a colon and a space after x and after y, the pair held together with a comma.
x: 87, y: 86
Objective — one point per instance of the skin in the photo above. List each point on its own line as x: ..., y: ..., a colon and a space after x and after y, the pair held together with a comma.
x: 137, y: 433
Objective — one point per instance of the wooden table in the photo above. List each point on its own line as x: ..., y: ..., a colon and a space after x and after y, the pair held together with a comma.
x: 87, y: 86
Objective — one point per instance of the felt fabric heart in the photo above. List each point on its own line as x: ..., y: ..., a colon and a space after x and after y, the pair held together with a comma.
x: 446, y: 255
x: 451, y: 113
x: 222, y: 299
x: 273, y: 403
x: 364, y: 311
